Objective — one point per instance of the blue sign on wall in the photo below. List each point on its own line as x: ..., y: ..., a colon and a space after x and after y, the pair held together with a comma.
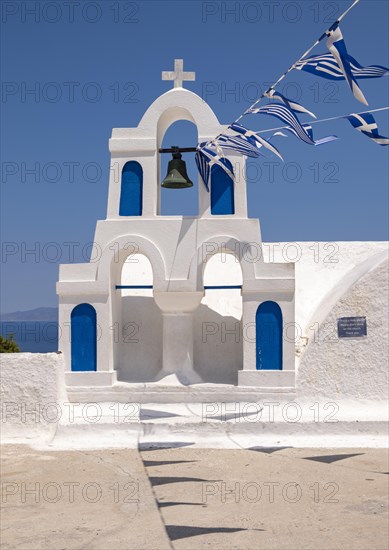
x: 352, y: 327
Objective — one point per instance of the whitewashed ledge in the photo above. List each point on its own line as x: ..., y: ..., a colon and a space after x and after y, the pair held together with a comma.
x: 36, y: 411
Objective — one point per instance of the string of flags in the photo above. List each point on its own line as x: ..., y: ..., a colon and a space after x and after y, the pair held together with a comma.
x: 244, y: 141
x: 337, y: 64
x: 285, y: 114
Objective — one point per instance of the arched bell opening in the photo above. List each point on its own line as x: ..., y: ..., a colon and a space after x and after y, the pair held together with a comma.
x: 179, y: 201
x: 218, y: 353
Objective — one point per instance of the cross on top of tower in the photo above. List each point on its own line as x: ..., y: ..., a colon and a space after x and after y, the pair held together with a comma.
x: 178, y: 75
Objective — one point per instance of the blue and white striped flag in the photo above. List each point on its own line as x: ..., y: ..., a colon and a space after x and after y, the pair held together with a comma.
x: 309, y: 131
x: 205, y: 159
x: 203, y: 167
x: 296, y: 107
x: 238, y: 143
x: 255, y: 139
x: 325, y: 65
x: 367, y: 125
x: 282, y: 112
x: 337, y: 47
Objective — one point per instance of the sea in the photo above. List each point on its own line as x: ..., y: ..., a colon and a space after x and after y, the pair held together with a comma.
x: 32, y: 336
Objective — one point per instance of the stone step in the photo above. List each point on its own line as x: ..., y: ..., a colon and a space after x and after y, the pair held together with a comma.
x: 122, y: 392
x: 228, y: 425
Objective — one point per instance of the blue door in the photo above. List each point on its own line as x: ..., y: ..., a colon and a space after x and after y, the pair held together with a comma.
x: 269, y: 336
x: 83, y: 338
x: 222, y: 190
x: 131, y: 194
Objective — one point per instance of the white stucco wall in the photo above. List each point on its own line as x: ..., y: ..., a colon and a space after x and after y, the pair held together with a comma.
x: 351, y: 368
x: 32, y: 389
x: 321, y: 268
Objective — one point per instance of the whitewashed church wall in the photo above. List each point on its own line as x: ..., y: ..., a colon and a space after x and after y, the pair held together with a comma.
x: 320, y: 268
x: 351, y: 368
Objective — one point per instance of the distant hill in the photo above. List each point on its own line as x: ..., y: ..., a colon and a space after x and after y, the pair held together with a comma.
x: 38, y: 314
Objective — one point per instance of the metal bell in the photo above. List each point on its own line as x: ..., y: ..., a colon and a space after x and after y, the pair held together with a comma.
x: 177, y: 177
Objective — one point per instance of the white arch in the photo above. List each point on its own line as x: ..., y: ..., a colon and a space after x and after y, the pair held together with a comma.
x: 177, y: 105
x: 221, y: 243
x: 223, y: 269
x: 116, y: 252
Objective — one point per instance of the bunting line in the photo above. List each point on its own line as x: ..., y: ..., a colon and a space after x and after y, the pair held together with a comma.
x: 342, y: 66
x: 324, y: 35
x: 269, y: 91
x: 206, y: 157
x: 285, y: 114
x: 325, y: 119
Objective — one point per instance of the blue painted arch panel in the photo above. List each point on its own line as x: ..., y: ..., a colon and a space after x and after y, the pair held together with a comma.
x: 268, y: 325
x: 222, y: 190
x: 131, y: 193
x: 83, y: 338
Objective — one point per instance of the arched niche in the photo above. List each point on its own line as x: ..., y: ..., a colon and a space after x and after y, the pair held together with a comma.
x: 131, y: 191
x: 181, y: 202
x: 268, y: 328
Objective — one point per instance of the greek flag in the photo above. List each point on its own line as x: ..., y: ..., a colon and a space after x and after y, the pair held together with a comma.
x: 255, y: 139
x: 367, y: 125
x: 325, y: 65
x: 205, y: 158
x: 309, y: 131
x: 240, y: 144
x: 337, y: 47
x: 296, y: 107
x: 282, y: 112
x: 203, y: 167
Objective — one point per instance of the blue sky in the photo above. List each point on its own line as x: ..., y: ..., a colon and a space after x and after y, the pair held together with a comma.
x: 97, y: 65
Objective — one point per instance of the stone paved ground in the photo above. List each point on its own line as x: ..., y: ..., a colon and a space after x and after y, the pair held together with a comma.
x: 190, y: 498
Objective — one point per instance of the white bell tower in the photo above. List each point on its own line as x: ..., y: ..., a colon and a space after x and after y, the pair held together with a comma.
x: 97, y: 313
